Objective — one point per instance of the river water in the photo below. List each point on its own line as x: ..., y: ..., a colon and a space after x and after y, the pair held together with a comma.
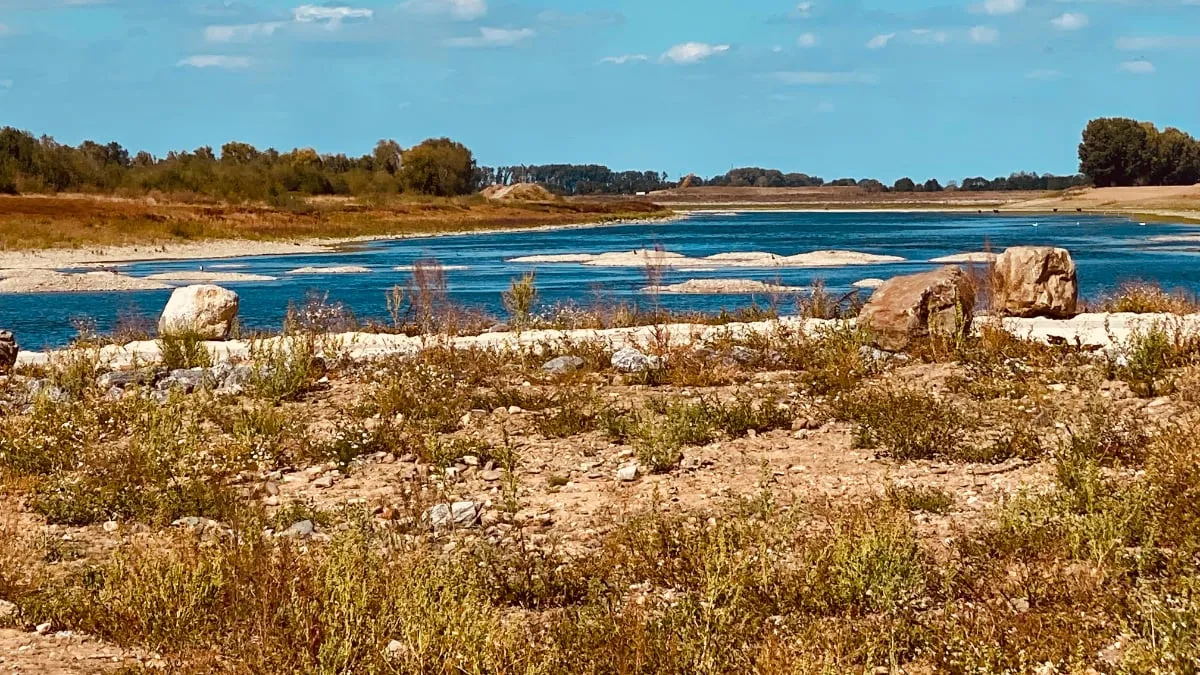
x: 1108, y: 250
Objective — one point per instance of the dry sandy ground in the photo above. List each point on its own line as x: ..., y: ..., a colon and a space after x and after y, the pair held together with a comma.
x: 1095, y: 330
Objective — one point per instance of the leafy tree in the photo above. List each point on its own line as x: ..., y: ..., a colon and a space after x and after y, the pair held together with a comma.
x: 905, y: 184
x: 932, y: 185
x: 387, y: 156
x: 439, y: 166
x: 1117, y: 151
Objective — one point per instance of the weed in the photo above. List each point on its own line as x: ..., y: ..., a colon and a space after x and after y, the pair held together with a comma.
x: 183, y: 350
x: 572, y: 413
x: 902, y: 422
x: 920, y: 498
x: 1148, y: 298
x: 520, y: 298
x: 286, y: 368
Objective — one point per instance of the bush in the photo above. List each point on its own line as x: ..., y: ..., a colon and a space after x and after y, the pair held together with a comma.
x: 903, y: 423
x: 183, y: 350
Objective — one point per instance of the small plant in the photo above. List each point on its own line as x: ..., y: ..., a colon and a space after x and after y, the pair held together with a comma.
x: 74, y: 371
x: 920, y: 498
x: 903, y: 423
x: 352, y: 439
x: 286, y: 368
x: 1148, y: 298
x: 182, y: 350
x: 571, y: 413
x: 520, y: 298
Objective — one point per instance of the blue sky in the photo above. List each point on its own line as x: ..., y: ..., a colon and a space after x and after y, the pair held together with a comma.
x: 829, y: 87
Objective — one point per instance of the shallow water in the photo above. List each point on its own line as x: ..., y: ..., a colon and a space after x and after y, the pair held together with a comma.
x: 1108, y: 250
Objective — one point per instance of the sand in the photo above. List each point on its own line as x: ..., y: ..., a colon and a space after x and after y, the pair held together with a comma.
x: 868, y: 283
x: 978, y: 257
x: 444, y: 268
x: 746, y: 259
x: 70, y: 257
x: 332, y: 269
x: 49, y: 281
x: 209, y: 277
x: 723, y: 287
x: 1099, y: 330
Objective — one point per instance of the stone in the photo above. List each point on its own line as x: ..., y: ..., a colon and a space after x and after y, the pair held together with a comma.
x: 563, y: 365
x: 111, y: 526
x: 1031, y: 281
x: 492, y: 476
x: 627, y: 473
x: 205, y: 310
x: 301, y: 530
x: 323, y: 483
x: 630, y: 360
x: 916, y: 306
x: 189, y: 380
x: 462, y: 514
x: 124, y: 378
x: 395, y: 647
x: 8, y: 351
x: 7, y: 609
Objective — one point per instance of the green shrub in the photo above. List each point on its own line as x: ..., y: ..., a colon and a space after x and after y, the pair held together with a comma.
x: 183, y: 350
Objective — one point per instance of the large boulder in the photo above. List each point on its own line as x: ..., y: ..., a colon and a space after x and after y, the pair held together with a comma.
x: 8, y: 351
x: 207, y: 311
x: 939, y: 302
x: 1035, y: 281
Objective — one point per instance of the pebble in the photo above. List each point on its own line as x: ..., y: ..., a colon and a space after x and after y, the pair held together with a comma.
x: 111, y: 526
x: 300, y: 530
x: 323, y: 483
x: 491, y: 476
x: 628, y: 473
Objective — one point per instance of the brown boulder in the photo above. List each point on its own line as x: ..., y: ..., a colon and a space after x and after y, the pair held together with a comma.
x: 8, y: 351
x: 939, y: 302
x: 1035, y: 281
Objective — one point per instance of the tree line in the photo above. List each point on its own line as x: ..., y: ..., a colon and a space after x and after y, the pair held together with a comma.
x: 1118, y: 151
x: 773, y: 178
x: 236, y: 172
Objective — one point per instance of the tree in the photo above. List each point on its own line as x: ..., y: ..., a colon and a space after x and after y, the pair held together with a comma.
x: 1117, y: 151
x: 439, y: 166
x: 905, y: 184
x: 932, y: 185
x: 235, y: 152
x: 1176, y: 159
x: 386, y: 156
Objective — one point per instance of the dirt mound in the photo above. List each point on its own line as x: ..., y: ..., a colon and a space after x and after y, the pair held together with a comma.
x: 525, y: 192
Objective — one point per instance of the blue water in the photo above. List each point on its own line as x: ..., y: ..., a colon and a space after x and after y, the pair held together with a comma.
x: 1108, y: 250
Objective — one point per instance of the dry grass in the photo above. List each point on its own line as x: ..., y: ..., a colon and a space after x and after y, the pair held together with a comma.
x: 36, y: 222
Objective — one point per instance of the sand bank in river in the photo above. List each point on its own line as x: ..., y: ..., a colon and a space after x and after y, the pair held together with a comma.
x: 977, y: 257
x: 209, y: 277
x: 754, y: 259
x: 723, y: 287
x: 331, y: 269
x: 49, y: 281
x: 868, y: 283
x: 76, y: 257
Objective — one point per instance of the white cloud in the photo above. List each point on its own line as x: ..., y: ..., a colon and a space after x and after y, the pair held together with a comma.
x: 1001, y: 7
x: 880, y: 41
x: 241, y: 33
x: 693, y: 52
x: 332, y: 17
x: 804, y: 8
x: 826, y: 107
x: 806, y: 40
x: 821, y: 78
x: 625, y: 58
x: 1137, y: 44
x: 493, y: 37
x: 928, y: 36
x: 1045, y: 74
x: 215, y: 61
x: 464, y: 10
x: 1140, y: 67
x: 983, y: 35
x: 1070, y: 21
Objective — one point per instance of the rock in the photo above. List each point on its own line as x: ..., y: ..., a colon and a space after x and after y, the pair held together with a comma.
x: 563, y: 365
x: 323, y: 483
x: 630, y: 360
x: 395, y: 647
x: 189, y: 380
x: 124, y: 378
x: 8, y: 351
x: 111, y: 526
x: 45, y: 388
x: 7, y: 609
x: 1034, y: 281
x: 42, y: 628
x: 463, y: 514
x: 492, y: 475
x: 627, y: 473
x: 208, y: 311
x: 301, y: 530
x: 916, y: 306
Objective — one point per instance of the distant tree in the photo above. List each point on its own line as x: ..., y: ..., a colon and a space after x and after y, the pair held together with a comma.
x: 439, y: 167
x: 905, y: 184
x: 1117, y: 151
x: 386, y: 156
x: 1176, y: 159
x: 844, y: 182
x: 932, y: 185
x: 871, y: 185
x: 238, y: 153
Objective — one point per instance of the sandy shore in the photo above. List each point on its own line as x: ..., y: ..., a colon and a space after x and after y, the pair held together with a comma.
x: 209, y: 277
x: 1109, y: 331
x: 331, y: 269
x: 59, y: 258
x: 50, y: 281
x: 750, y: 259
x: 958, y: 258
x: 722, y: 287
